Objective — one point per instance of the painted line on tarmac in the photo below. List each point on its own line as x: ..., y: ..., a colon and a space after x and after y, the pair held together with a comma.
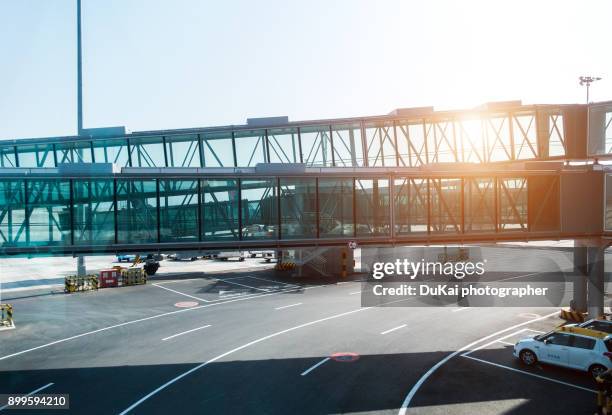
x: 456, y: 310
x: 31, y: 393
x: 505, y: 342
x: 180, y: 293
x: 307, y: 371
x: 169, y: 313
x: 287, y: 306
x: 356, y: 292
x: 530, y: 374
x: 242, y: 285
x: 482, y: 346
x: 185, y: 332
x: 244, y: 346
x: 265, y: 279
x: 394, y: 328
x: 181, y: 280
x: 427, y: 374
x: 515, y: 277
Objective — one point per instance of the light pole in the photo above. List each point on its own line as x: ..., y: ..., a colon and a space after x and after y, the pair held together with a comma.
x: 81, y: 267
x: 79, y: 73
x: 587, y: 80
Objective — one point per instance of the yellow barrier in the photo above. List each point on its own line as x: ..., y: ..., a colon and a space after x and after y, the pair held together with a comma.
x: 284, y: 266
x: 75, y: 283
x: 573, y: 316
x: 133, y: 276
x: 6, y: 315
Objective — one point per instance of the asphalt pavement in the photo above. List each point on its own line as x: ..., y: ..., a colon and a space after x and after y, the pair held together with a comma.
x: 251, y: 341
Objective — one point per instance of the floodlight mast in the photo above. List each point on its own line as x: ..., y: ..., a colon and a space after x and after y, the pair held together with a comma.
x: 79, y: 73
x: 585, y: 80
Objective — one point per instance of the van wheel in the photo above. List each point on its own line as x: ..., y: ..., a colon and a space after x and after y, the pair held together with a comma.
x: 528, y: 357
x: 597, y: 370
x: 241, y: 259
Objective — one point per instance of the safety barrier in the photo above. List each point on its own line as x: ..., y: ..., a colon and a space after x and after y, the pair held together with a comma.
x: 133, y: 276
x: 284, y: 266
x: 75, y: 283
x: 573, y: 316
x: 343, y: 272
x: 6, y: 316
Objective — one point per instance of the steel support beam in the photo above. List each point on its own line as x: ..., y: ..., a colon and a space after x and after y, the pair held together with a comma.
x: 581, y: 272
x: 596, y: 290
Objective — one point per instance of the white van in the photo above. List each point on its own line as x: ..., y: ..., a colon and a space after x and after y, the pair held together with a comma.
x: 225, y: 255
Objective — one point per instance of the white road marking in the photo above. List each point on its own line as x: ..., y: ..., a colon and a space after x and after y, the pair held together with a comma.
x: 515, y: 277
x: 31, y: 393
x: 230, y: 294
x: 185, y: 332
x: 287, y: 306
x: 505, y: 342
x: 394, y: 328
x: 530, y: 374
x: 180, y: 293
x: 242, y: 285
x: 435, y: 367
x: 307, y: 371
x: 184, y: 310
x: 180, y: 280
x: 482, y: 346
x: 265, y: 279
x: 459, y: 309
x: 356, y: 292
x: 244, y: 346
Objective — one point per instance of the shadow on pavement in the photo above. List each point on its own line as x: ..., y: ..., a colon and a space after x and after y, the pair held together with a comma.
x: 372, y: 384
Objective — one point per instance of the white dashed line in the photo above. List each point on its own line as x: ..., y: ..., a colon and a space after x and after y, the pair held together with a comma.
x: 307, y: 371
x: 287, y: 306
x: 185, y: 332
x: 394, y: 328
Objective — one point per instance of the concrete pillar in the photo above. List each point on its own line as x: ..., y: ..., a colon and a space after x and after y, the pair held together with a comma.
x: 81, y: 269
x: 579, y: 302
x: 595, y: 291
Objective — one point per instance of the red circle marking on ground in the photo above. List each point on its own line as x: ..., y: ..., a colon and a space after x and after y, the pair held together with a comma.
x: 345, y: 357
x: 186, y: 304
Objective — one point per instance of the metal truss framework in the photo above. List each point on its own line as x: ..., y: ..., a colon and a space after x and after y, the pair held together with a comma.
x: 131, y: 212
x: 478, y: 136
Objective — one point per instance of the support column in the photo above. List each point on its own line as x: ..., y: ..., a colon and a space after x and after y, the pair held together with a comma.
x: 81, y: 270
x: 595, y: 292
x: 579, y: 302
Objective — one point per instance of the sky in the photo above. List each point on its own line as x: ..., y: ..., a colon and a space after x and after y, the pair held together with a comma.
x: 159, y: 64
